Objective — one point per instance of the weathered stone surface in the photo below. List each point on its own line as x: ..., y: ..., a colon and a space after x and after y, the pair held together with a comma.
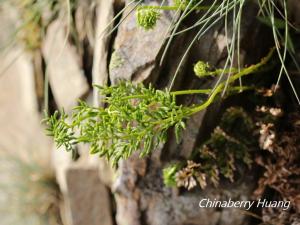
x: 88, y: 197
x: 140, y: 194
x: 68, y: 83
x: 127, y: 195
x: 28, y: 83
x: 63, y: 65
x: 61, y: 160
x: 18, y: 61
x: 105, y: 13
x: 142, y: 199
x: 21, y: 133
x: 137, y: 49
x: 84, y: 18
x: 19, y: 119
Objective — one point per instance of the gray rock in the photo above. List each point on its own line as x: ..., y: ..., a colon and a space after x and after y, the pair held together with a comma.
x: 66, y: 78
x: 61, y: 160
x: 88, y: 198
x: 84, y: 18
x: 142, y: 199
x: 19, y: 118
x: 136, y: 50
x: 22, y: 137
x: 105, y: 13
x: 28, y: 83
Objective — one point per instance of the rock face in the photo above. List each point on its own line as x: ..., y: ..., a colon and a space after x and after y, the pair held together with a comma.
x: 136, y: 50
x: 105, y: 14
x: 21, y: 132
x: 89, y: 198
x: 68, y: 84
x: 143, y: 199
x: 140, y: 194
x: 19, y: 120
x: 66, y: 77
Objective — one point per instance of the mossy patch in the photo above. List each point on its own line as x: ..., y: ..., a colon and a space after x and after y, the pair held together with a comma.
x: 116, y: 61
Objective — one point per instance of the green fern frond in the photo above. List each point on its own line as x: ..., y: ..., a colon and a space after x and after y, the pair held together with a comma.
x: 136, y: 118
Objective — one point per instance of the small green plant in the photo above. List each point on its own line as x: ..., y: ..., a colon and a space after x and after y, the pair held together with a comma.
x: 136, y: 117
x: 202, y: 69
x: 169, y: 174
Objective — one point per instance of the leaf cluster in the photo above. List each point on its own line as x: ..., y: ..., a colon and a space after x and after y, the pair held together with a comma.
x: 135, y: 117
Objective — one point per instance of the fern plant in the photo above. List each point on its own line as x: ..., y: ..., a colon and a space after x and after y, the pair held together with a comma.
x: 136, y: 117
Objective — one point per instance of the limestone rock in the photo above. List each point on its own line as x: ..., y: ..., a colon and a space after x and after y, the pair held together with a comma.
x: 61, y: 160
x: 84, y: 18
x: 28, y: 83
x: 21, y: 133
x: 19, y: 119
x: 142, y: 198
x: 105, y: 14
x: 63, y: 66
x: 88, y: 198
x: 137, y: 49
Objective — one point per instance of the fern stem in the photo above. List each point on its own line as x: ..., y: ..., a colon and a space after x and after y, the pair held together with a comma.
x: 243, y: 72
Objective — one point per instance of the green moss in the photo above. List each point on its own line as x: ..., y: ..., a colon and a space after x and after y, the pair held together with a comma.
x: 115, y: 61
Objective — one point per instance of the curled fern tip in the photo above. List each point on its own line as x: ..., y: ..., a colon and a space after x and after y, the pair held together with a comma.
x: 201, y: 68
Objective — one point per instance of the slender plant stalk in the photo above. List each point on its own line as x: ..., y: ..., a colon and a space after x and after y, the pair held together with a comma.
x: 231, y: 79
